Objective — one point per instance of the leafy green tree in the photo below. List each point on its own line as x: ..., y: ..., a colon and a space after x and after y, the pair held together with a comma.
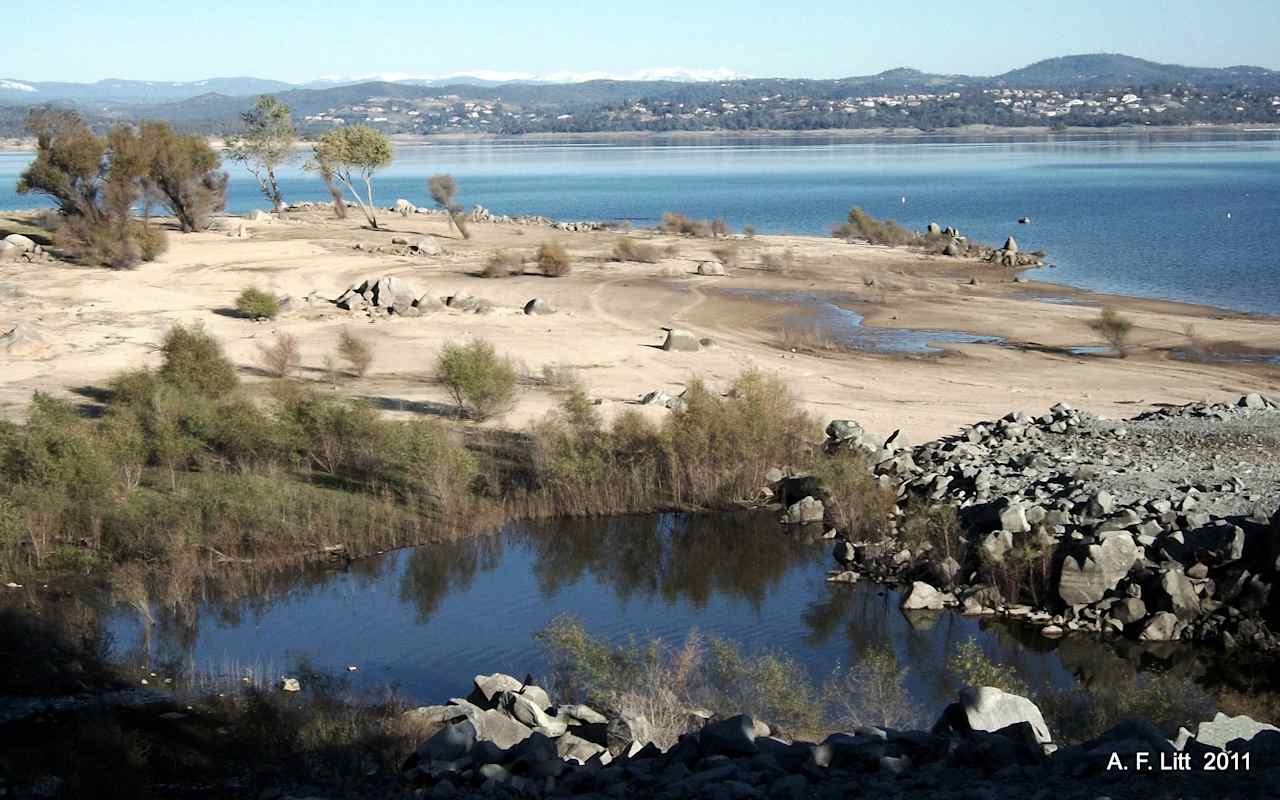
x: 183, y: 175
x: 266, y: 144
x: 69, y: 167
x: 443, y: 189
x: 350, y: 154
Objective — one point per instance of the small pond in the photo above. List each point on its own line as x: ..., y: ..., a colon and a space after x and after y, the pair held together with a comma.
x: 427, y: 619
x: 846, y: 327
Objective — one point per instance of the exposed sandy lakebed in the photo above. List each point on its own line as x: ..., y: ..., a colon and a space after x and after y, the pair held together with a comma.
x: 94, y: 322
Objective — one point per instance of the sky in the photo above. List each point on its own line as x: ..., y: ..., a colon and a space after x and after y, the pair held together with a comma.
x: 296, y: 41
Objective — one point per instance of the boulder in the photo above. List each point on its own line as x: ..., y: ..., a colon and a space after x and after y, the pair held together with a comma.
x: 1129, y: 610
x: 923, y: 597
x: 627, y: 733
x: 489, y: 689
x: 23, y: 339
x: 1251, y: 400
x: 9, y: 252
x: 1177, y: 594
x: 953, y: 249
x: 576, y: 714
x: 526, y: 709
x: 495, y: 726
x: 428, y: 303
x: 21, y: 242
x: 290, y: 685
x: 681, y: 340
x: 1162, y: 627
x: 451, y: 743
x: 991, y: 710
x: 733, y: 737
x: 463, y: 301
x: 404, y: 208
x: 846, y: 433
x: 714, y: 268
x: 1010, y: 245
x: 1222, y: 729
x: 933, y: 229
x: 1088, y: 574
x: 426, y: 246
x: 572, y: 748
x: 261, y: 217
x: 805, y: 511
x: 538, y: 306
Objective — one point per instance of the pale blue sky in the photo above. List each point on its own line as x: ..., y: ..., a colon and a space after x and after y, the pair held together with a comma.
x: 296, y: 41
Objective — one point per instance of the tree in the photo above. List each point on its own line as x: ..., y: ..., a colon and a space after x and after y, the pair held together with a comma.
x: 70, y: 162
x: 96, y: 182
x: 267, y: 143
x: 183, y: 175
x: 351, y: 154
x: 443, y: 189
x: 339, y: 204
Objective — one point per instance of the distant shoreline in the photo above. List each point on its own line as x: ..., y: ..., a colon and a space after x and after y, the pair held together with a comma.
x: 858, y: 134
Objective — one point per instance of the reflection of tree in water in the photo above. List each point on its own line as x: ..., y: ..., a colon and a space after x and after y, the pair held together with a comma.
x: 677, y: 558
x: 435, y: 571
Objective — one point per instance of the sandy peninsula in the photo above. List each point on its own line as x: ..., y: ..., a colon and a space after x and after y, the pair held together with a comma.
x: 93, y: 322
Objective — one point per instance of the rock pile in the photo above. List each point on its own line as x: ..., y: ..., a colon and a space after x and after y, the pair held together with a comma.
x: 507, y: 739
x: 1160, y: 527
x: 387, y: 294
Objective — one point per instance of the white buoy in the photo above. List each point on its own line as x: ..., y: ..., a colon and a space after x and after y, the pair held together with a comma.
x: 904, y: 198
x: 1228, y: 215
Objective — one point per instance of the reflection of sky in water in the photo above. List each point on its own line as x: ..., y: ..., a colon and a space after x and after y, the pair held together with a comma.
x: 430, y: 618
x: 846, y: 327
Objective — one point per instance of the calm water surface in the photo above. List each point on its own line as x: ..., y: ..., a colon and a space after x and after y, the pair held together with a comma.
x: 1184, y: 217
x: 429, y: 618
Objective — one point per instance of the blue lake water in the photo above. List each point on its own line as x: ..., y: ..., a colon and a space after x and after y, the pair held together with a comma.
x: 1184, y: 217
x: 427, y: 619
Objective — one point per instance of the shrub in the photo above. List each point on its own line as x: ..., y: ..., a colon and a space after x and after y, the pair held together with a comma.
x: 719, y: 228
x: 355, y: 351
x: 936, y: 527
x: 973, y: 667
x: 1114, y: 329
x: 673, y: 222
x: 183, y: 175
x: 859, y: 505
x: 482, y: 382
x: 257, y: 304
x: 502, y: 264
x: 119, y: 244
x: 861, y: 225
x: 873, y: 693
x: 778, y: 262
x: 553, y: 260
x: 282, y: 357
x: 749, y: 231
x: 628, y: 249
x: 193, y: 360
x: 726, y: 254
x: 1079, y: 714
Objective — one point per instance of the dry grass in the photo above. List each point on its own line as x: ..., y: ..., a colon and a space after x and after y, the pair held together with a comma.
x: 553, y: 260
x: 282, y: 357
x: 502, y: 264
x: 781, y: 263
x: 1114, y: 329
x: 628, y: 249
x: 356, y: 351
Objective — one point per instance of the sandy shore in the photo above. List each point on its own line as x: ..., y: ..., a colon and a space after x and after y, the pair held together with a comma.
x: 95, y: 322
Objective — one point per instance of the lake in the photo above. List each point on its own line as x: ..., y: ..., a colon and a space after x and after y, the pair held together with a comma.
x: 428, y: 619
x: 1182, y: 216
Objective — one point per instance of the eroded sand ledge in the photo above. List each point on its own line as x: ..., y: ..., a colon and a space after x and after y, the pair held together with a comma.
x: 95, y: 322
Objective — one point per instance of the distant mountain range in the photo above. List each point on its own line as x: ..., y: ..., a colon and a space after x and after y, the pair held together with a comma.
x: 1078, y: 71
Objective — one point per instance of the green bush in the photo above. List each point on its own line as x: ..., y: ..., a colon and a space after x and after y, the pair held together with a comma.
x: 193, y: 360
x: 971, y: 666
x: 110, y: 243
x: 1114, y: 328
x: 257, y: 304
x: 553, y: 260
x: 935, y: 527
x: 481, y: 382
x: 857, y: 503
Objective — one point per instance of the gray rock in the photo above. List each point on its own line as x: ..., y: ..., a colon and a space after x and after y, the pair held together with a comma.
x: 713, y: 268
x: 735, y: 736
x: 1253, y: 400
x: 426, y: 246
x: 923, y: 597
x: 1178, y: 595
x: 450, y: 743
x: 526, y: 710
x: 572, y: 748
x: 404, y: 208
x: 806, y: 511
x: 489, y: 689
x: 681, y: 340
x: 1129, y: 610
x: 25, y: 244
x: 1010, y: 245
x: 580, y: 714
x: 1089, y: 574
x: 1162, y: 627
x: 627, y: 730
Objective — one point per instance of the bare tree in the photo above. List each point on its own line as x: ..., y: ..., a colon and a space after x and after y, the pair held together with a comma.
x: 443, y: 189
